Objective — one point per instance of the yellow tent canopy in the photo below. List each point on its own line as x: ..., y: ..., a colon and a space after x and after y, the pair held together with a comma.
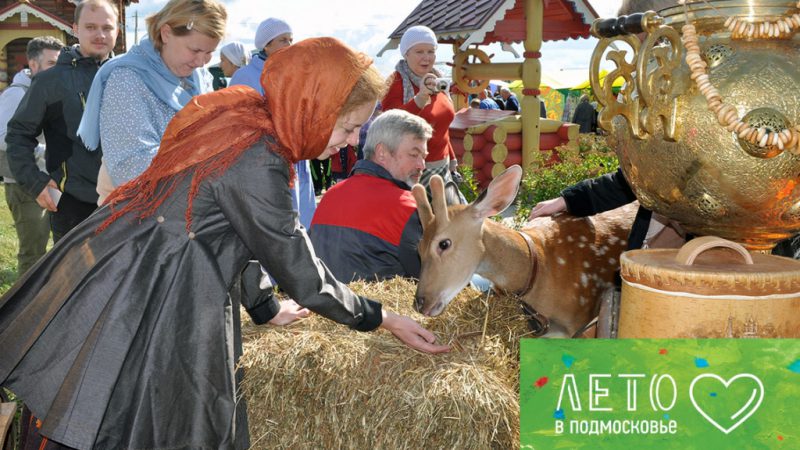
x: 546, y: 83
x: 549, y: 82
x: 603, y: 73
x: 553, y: 99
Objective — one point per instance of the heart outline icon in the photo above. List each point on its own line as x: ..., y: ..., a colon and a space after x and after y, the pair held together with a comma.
x: 727, y: 384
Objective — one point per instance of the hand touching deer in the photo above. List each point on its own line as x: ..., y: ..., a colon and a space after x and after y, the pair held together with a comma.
x: 558, y: 266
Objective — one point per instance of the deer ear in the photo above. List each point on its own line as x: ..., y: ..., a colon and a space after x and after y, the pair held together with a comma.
x: 438, y: 201
x: 423, y: 206
x: 500, y: 193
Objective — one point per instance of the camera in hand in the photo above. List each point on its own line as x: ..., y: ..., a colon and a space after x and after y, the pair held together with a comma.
x: 441, y: 85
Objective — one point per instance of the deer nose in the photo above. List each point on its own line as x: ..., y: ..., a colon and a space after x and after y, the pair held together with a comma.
x: 419, y: 301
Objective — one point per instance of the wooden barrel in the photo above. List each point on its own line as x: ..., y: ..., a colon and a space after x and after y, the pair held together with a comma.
x: 710, y: 288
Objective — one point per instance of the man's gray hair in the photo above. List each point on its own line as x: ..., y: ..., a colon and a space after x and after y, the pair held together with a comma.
x: 37, y: 46
x: 391, y: 127
x: 505, y: 89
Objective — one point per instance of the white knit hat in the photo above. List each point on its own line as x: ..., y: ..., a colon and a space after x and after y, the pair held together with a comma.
x: 236, y: 53
x: 269, y: 30
x: 418, y: 34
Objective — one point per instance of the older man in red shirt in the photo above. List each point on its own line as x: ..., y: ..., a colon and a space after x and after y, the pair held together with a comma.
x: 367, y: 226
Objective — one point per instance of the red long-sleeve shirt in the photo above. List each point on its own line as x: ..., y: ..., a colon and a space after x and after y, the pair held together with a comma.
x: 439, y: 113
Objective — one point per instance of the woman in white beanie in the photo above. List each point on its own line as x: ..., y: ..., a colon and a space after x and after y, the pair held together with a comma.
x: 412, y: 89
x: 272, y: 35
x: 232, y: 57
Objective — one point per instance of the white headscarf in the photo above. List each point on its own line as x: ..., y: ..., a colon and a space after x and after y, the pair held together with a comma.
x: 236, y: 53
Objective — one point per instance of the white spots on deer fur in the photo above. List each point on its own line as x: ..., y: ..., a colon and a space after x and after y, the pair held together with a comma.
x: 561, y: 261
x: 600, y: 251
x: 560, y: 241
x: 623, y: 242
x: 584, y: 280
x: 613, y: 240
x: 581, y: 245
x: 584, y: 239
x: 586, y: 264
x: 612, y: 261
x: 570, y: 239
x: 582, y: 300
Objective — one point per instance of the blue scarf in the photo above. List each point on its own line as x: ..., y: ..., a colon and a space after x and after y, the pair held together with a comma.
x: 147, y: 63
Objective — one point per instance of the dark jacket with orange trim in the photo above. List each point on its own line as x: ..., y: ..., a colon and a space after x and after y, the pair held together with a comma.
x: 367, y: 227
x: 54, y: 105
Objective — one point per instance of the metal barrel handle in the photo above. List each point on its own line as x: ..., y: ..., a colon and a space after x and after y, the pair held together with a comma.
x: 619, y: 26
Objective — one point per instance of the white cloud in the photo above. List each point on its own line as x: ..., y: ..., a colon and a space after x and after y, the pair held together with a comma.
x: 365, y: 25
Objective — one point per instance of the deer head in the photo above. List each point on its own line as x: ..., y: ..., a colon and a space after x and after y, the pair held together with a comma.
x: 451, y: 248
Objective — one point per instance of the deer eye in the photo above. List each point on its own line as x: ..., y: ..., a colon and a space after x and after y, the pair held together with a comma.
x: 444, y: 244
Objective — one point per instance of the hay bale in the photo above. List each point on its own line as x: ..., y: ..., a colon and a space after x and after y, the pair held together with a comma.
x: 316, y: 384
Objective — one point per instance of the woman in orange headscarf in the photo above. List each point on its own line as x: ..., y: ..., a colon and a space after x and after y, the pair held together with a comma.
x: 124, y: 335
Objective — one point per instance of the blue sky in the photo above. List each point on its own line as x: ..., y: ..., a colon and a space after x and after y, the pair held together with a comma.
x: 365, y: 25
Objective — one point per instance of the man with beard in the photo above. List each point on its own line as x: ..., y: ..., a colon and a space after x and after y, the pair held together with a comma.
x: 54, y: 105
x: 367, y: 227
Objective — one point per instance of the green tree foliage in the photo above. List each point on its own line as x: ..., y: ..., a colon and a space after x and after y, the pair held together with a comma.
x: 592, y: 158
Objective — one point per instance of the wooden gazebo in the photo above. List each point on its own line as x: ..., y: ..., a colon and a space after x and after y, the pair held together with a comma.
x: 469, y: 24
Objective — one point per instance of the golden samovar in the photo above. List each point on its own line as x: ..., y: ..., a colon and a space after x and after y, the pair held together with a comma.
x: 685, y: 159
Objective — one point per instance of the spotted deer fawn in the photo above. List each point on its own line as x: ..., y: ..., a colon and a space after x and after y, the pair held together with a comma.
x: 558, y: 266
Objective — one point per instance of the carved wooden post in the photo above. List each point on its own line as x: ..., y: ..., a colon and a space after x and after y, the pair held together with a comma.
x: 531, y: 79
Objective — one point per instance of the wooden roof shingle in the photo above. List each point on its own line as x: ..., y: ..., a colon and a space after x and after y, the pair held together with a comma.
x: 486, y: 21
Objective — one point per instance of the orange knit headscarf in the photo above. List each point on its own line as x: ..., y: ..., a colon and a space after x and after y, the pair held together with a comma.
x: 305, y: 86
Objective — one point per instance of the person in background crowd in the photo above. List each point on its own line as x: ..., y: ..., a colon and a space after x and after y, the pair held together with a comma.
x: 54, y: 105
x: 232, y: 57
x: 412, y: 89
x: 137, y: 345
x: 512, y: 103
x: 321, y: 174
x: 343, y: 162
x: 31, y: 221
x: 272, y: 35
x: 475, y: 103
x: 498, y: 98
x: 362, y: 135
x: 585, y: 116
x: 487, y: 102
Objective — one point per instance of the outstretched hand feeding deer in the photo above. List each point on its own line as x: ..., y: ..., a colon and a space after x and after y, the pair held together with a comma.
x: 558, y: 266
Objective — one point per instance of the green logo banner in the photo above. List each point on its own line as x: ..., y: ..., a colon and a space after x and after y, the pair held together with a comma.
x: 660, y: 394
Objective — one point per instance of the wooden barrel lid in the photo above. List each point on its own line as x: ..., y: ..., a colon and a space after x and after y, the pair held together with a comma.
x: 711, y: 266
